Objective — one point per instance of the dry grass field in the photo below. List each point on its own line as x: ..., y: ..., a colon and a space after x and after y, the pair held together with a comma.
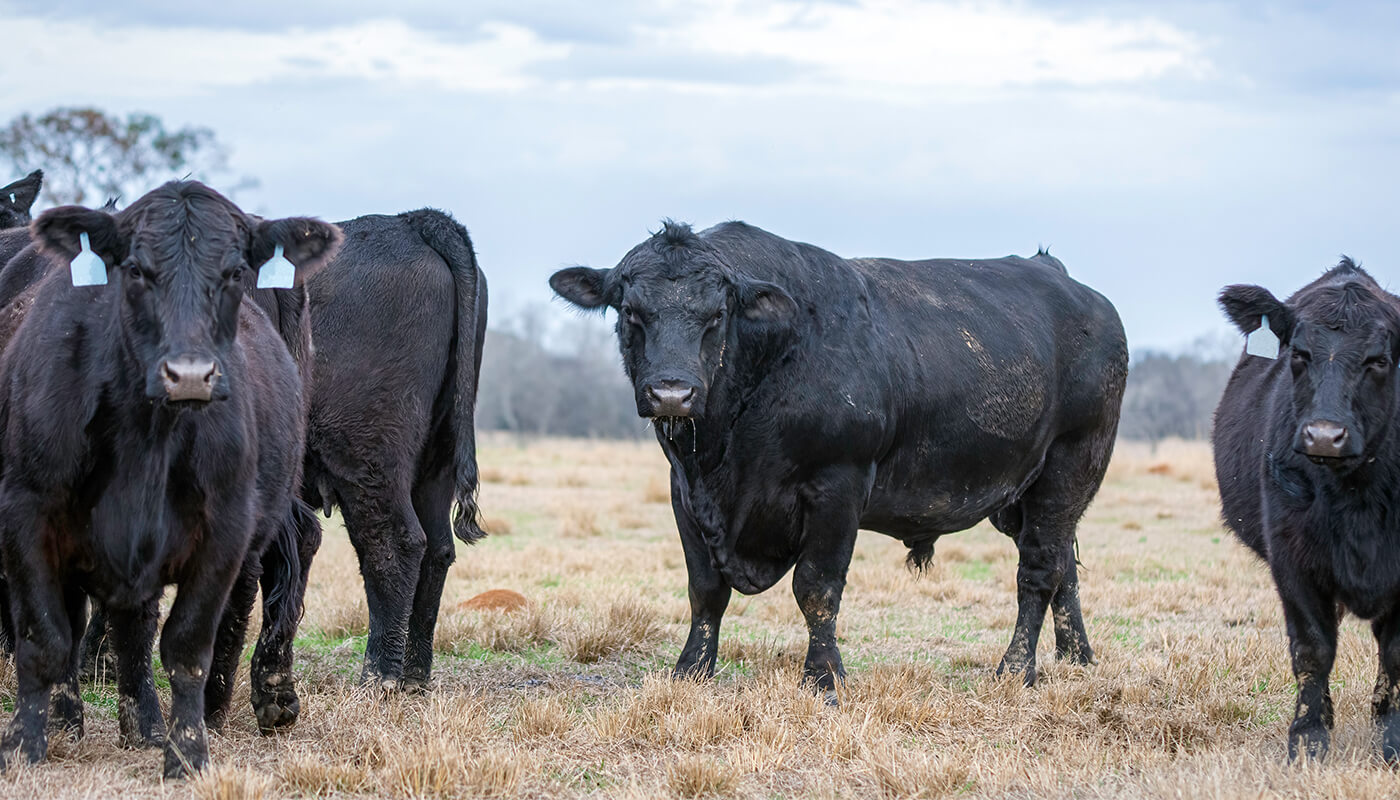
x: 569, y: 696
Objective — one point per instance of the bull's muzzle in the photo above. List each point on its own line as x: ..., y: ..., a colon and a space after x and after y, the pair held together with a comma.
x: 670, y: 398
x: 189, y: 379
x: 1325, y: 439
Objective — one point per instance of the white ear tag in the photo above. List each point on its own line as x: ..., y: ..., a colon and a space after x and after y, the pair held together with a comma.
x: 277, y: 272
x: 12, y: 198
x: 1262, y: 342
x: 87, y: 267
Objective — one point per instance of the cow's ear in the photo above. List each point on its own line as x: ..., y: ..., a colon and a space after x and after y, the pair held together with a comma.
x: 761, y: 301
x: 308, y: 243
x: 58, y: 232
x: 585, y: 287
x: 1245, y: 305
x: 20, y: 195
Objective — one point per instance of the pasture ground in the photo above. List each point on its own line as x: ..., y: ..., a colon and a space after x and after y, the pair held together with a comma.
x: 570, y: 696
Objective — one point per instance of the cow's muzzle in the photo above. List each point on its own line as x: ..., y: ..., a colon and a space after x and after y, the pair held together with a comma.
x: 669, y: 398
x: 189, y: 379
x: 1326, y: 439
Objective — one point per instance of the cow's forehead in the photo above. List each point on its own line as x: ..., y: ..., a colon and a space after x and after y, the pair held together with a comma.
x: 202, y: 234
x: 657, y: 288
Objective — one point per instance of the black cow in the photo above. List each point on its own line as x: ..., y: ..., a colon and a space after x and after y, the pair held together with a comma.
x: 1308, y: 461
x: 151, y: 432
x: 391, y: 440
x: 398, y: 320
x: 16, y: 199
x: 287, y: 556
x: 800, y: 396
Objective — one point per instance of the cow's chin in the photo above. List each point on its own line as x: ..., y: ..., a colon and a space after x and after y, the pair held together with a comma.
x: 1340, y: 464
x: 670, y: 427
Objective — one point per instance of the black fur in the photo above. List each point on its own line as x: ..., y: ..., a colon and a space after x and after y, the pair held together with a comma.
x: 112, y: 490
x: 800, y: 396
x: 1325, y: 525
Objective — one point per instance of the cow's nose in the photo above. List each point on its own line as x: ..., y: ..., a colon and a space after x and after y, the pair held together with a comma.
x: 1324, y: 438
x: 189, y: 378
x: 670, y: 398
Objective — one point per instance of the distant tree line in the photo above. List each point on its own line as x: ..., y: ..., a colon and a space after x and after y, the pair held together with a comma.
x: 1172, y: 395
x: 562, y: 381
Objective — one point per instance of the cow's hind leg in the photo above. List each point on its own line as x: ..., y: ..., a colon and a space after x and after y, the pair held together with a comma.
x: 274, y: 695
x: 1071, y: 641
x: 228, y: 643
x: 432, y: 502
x: 133, y: 630
x: 1051, y: 508
x: 390, y: 543
x: 99, y: 663
x: 66, y: 709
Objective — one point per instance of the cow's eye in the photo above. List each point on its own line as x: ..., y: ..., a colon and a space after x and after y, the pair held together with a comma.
x: 133, y: 270
x: 631, y: 315
x: 715, y: 319
x: 1301, y: 356
x: 235, y: 276
x: 1378, y: 363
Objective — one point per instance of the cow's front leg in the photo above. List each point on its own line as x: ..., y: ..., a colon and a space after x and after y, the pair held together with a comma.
x: 830, y: 521
x: 42, y: 648
x: 1385, y: 703
x: 187, y: 642
x: 709, y: 597
x: 1311, y: 619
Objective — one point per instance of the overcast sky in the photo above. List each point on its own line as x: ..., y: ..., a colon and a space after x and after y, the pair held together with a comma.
x: 1160, y: 150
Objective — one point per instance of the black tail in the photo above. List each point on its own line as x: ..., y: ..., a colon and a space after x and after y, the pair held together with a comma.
x: 283, y: 578
x: 445, y: 235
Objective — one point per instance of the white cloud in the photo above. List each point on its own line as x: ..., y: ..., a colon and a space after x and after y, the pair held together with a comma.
x: 906, y: 44
x: 897, y: 48
x: 48, y: 59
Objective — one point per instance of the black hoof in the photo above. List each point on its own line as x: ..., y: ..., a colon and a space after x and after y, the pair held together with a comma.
x: 276, y: 709
x: 17, y: 751
x: 1308, y: 743
x: 1390, y: 739
x: 1026, y: 671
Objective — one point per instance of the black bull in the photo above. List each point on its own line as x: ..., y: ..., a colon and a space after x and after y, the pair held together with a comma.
x: 801, y: 396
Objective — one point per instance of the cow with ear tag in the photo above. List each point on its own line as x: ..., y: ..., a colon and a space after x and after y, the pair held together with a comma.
x: 800, y: 396
x: 15, y: 203
x: 16, y: 199
x: 151, y: 430
x: 1307, y: 456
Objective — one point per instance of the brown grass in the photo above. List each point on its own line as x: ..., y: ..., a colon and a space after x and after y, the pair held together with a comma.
x: 570, y: 696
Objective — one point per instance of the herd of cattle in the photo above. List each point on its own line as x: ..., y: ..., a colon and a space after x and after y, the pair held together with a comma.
x: 156, y: 428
